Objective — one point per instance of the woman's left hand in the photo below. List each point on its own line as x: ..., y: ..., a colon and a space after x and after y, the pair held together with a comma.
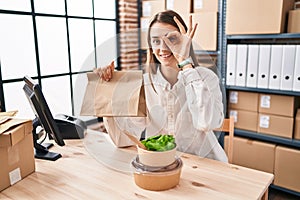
x: 180, y: 42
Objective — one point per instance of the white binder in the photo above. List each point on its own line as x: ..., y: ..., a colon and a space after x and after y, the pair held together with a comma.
x: 231, y: 64
x: 252, y: 65
x: 241, y: 64
x: 296, y: 79
x: 287, y: 68
x: 275, y: 67
x: 263, y: 66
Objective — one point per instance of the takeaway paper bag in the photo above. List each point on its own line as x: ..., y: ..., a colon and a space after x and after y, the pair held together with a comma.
x: 122, y: 96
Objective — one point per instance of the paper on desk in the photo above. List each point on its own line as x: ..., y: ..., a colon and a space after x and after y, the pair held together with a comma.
x: 123, y: 95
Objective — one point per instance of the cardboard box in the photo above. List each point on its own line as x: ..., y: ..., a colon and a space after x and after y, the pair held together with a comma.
x: 278, y: 104
x: 151, y: 7
x: 294, y: 21
x: 257, y: 16
x: 246, y: 120
x: 243, y: 100
x: 184, y: 8
x: 297, y: 126
x: 286, y: 169
x: 253, y: 154
x: 16, y: 151
x: 205, y: 37
x: 275, y: 125
x: 205, y: 6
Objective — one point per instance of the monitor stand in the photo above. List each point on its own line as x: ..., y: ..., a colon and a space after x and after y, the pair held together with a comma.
x: 47, y: 145
x: 41, y: 151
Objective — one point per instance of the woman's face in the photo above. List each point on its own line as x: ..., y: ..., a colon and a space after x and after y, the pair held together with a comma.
x: 161, y: 51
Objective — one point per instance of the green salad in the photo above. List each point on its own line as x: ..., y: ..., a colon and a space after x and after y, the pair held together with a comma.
x: 160, y: 143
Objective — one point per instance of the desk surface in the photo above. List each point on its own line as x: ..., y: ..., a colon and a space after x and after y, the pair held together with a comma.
x: 85, y: 173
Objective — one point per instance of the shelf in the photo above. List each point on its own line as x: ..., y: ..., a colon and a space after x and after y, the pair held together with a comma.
x: 272, y: 186
x: 267, y: 138
x: 265, y: 36
x: 262, y: 90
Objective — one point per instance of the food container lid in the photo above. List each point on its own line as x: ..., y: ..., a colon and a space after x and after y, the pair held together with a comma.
x: 141, y: 168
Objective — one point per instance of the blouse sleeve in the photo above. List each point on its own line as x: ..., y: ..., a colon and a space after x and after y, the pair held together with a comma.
x: 204, y: 97
x: 116, y: 125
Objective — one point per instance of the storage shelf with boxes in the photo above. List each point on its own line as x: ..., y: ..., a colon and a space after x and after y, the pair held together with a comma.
x: 263, y: 85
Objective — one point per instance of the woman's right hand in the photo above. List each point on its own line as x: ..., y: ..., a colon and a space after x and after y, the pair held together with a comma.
x: 106, y: 72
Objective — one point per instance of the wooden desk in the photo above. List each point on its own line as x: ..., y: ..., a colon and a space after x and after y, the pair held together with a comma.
x: 86, y: 173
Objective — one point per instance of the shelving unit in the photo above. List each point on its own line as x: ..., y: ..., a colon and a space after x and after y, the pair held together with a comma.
x: 262, y: 90
x: 268, y: 138
x: 284, y: 39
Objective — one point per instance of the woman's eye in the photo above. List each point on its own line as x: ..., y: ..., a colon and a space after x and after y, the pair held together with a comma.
x: 156, y: 42
x: 172, y: 39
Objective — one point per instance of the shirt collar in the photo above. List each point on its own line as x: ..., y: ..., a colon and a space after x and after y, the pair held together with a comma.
x: 163, y: 83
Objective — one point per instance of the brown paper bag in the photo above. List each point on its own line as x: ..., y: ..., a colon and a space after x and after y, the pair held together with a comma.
x: 123, y: 95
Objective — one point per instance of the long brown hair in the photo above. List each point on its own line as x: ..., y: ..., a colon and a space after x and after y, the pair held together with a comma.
x: 166, y: 17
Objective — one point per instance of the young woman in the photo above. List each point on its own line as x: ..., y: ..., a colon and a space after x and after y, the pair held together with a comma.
x: 182, y: 98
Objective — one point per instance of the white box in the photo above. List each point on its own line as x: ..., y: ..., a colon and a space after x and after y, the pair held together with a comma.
x: 231, y: 64
x: 241, y: 65
x: 264, y: 66
x: 252, y: 65
x: 287, y: 68
x: 275, y: 67
x: 296, y: 79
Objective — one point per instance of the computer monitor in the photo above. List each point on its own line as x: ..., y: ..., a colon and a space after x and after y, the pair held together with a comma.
x: 43, y: 118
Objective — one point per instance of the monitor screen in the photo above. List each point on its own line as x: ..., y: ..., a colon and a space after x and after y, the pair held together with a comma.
x: 41, y: 110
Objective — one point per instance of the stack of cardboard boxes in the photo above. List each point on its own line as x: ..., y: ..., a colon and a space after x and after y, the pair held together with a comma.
x: 264, y: 113
x: 204, y: 12
x: 272, y: 115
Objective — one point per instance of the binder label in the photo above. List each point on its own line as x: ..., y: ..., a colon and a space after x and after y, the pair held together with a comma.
x: 265, y: 101
x: 234, y: 113
x: 264, y: 121
x: 233, y: 98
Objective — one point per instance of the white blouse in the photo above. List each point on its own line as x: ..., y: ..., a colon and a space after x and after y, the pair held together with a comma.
x: 189, y: 110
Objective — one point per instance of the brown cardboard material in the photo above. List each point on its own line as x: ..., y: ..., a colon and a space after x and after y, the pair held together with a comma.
x: 123, y: 95
x: 205, y: 37
x: 275, y: 125
x: 297, y: 126
x: 246, y: 120
x: 294, y: 21
x: 181, y: 7
x: 278, y: 104
x: 286, y: 170
x: 253, y: 154
x: 257, y: 16
x: 243, y: 100
x: 16, y: 153
x: 205, y: 5
x: 151, y: 7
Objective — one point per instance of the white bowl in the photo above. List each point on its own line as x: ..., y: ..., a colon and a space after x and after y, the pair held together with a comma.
x: 156, y: 158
